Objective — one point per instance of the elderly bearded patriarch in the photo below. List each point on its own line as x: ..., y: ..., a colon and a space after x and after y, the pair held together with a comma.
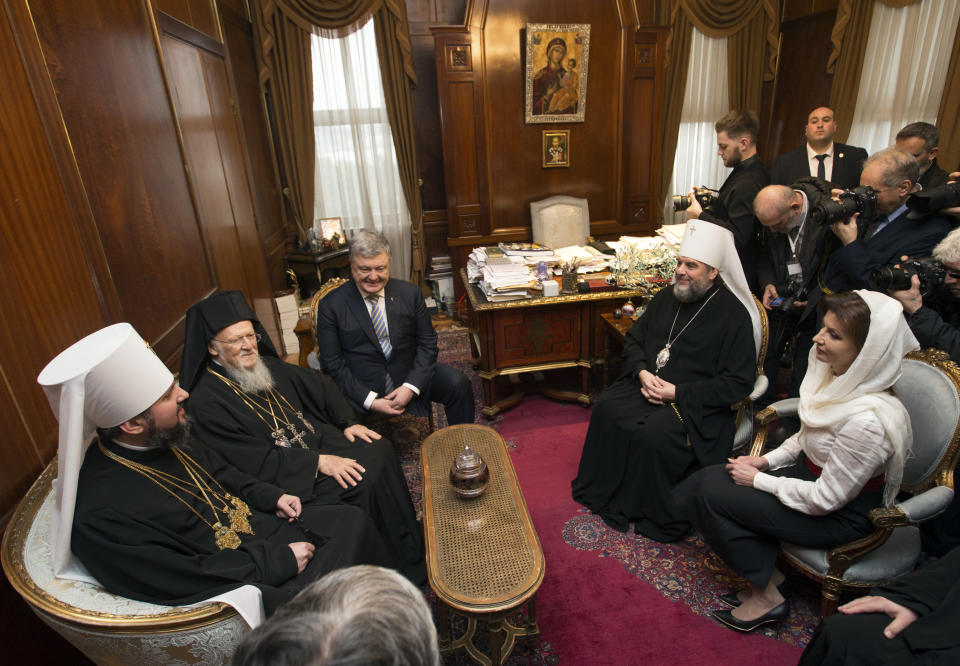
x: 291, y: 426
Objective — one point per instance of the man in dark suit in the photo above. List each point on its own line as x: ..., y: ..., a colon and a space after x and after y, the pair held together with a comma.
x: 891, y: 233
x: 737, y: 147
x: 377, y: 343
x: 820, y: 157
x: 922, y: 140
x: 795, y: 251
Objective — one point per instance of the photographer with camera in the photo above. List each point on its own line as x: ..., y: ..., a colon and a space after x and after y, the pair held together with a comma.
x: 737, y: 146
x: 875, y: 229
x: 794, y: 252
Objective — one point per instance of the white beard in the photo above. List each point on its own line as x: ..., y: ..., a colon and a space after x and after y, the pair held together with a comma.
x: 255, y: 380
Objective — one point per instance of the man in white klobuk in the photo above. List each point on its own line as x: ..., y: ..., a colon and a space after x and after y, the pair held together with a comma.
x: 690, y: 356
x: 154, y: 516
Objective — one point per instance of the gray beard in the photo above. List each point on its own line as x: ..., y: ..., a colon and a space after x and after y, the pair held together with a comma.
x: 255, y: 380
x: 694, y: 292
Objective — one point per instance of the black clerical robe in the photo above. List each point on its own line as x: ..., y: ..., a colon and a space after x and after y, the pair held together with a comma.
x: 932, y: 591
x: 225, y: 423
x: 635, y: 451
x: 141, y: 542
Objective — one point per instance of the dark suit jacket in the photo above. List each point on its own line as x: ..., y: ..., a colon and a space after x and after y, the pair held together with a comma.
x: 816, y: 242
x: 847, y: 165
x: 350, y: 352
x: 933, y: 177
x: 850, y: 266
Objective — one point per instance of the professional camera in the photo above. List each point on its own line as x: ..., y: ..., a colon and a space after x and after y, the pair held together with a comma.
x: 938, y: 198
x: 860, y: 199
x: 706, y: 197
x: 788, y: 294
x: 894, y: 278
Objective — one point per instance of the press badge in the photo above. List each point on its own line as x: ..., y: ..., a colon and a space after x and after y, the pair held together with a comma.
x: 793, y: 269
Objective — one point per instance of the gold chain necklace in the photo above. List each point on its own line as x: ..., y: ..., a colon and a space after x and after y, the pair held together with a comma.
x: 271, y: 403
x: 224, y: 536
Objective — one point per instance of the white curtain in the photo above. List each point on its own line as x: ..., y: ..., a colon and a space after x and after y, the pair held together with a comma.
x: 904, y: 70
x: 705, y: 100
x: 357, y: 178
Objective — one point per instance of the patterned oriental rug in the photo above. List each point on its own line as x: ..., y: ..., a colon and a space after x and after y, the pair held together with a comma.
x: 608, y: 597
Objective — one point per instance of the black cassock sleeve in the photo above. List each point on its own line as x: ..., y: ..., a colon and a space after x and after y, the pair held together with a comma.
x: 933, y: 592
x: 145, y: 561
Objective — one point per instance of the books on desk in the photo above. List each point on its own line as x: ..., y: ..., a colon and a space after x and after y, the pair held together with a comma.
x: 524, y: 249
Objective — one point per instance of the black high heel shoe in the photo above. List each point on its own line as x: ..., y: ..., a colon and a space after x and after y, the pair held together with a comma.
x: 777, y: 614
x: 731, y: 599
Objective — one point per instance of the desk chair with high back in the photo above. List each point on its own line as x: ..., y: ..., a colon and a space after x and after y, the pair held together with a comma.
x: 930, y: 390
x: 560, y: 221
x: 401, y: 430
x: 745, y: 408
x: 107, y: 628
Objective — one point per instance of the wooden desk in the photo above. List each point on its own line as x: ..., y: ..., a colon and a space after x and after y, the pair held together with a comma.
x: 539, y: 334
x: 616, y: 331
x: 484, y: 558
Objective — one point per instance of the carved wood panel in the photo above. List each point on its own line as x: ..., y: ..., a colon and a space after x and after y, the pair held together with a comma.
x: 537, y: 335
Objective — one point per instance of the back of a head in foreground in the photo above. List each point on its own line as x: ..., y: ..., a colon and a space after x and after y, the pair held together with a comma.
x: 353, y: 616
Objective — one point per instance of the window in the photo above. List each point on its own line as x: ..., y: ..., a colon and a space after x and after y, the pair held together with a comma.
x: 705, y: 100
x: 357, y: 178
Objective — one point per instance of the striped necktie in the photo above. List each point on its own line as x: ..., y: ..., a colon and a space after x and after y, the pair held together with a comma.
x: 380, y: 328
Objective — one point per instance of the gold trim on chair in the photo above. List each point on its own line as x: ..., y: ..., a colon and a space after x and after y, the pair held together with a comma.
x: 885, y: 519
x: 14, y: 564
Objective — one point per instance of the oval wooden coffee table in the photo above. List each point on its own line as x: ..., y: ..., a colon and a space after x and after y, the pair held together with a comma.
x: 483, y: 556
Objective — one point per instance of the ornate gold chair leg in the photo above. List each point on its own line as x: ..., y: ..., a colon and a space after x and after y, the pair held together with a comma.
x: 498, y: 631
x: 443, y: 620
x: 829, y: 597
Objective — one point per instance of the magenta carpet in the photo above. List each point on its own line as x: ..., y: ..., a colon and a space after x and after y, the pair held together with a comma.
x: 607, y: 597
x: 612, y: 598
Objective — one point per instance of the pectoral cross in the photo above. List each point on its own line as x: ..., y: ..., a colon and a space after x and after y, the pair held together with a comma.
x: 306, y: 423
x: 297, y: 436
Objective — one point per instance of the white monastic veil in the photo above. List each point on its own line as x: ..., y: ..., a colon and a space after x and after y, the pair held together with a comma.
x: 826, y: 400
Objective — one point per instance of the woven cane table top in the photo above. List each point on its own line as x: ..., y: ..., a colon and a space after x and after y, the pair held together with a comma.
x: 483, y: 554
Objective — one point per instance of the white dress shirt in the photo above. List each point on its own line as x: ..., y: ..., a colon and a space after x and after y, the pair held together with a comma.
x: 850, y: 454
x: 813, y: 162
x: 381, y: 303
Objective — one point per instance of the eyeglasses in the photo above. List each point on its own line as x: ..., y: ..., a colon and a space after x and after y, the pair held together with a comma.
x: 238, y: 341
x: 952, y: 274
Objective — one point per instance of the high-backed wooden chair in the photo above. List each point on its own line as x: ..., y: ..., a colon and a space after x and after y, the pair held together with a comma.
x: 930, y: 390
x: 107, y: 628
x: 745, y: 408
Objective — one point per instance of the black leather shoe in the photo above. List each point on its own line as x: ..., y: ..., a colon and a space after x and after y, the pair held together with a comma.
x: 778, y: 614
x: 732, y: 600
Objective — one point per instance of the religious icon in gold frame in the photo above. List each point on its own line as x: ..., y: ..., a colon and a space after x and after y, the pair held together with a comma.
x: 556, y: 65
x: 555, y: 148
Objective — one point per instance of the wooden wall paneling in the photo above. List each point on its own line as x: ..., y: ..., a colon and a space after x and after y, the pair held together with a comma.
x: 513, y: 149
x: 200, y: 88
x: 50, y: 296
x: 643, y: 91
x: 263, y: 176
x: 802, y: 83
x: 455, y: 62
x: 105, y: 68
x: 198, y: 14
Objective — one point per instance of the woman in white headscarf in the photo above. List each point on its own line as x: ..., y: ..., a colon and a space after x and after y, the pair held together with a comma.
x: 819, y: 486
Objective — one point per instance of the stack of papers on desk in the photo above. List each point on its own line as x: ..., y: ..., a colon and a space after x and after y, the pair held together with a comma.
x: 672, y: 233
x: 506, y: 281
x: 289, y: 312
x: 591, y: 259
